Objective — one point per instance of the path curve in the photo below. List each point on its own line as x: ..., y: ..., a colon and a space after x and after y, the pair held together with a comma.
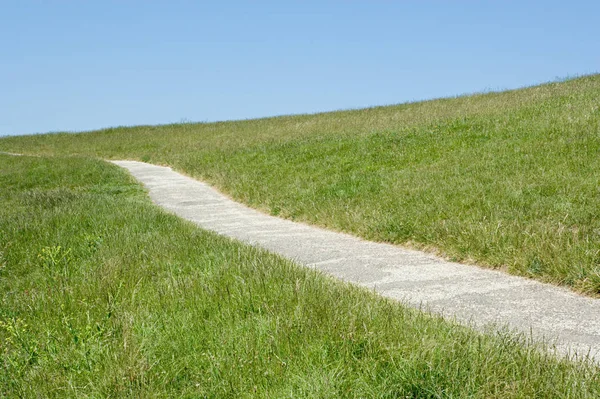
x: 470, y: 294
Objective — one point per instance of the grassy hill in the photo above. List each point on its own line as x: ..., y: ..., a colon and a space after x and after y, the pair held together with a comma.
x: 509, y: 180
x: 106, y: 295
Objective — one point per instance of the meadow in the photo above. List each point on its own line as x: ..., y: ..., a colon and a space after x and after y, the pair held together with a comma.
x: 506, y: 180
x: 106, y: 295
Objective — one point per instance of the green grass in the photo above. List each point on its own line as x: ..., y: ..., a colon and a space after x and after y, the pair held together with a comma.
x: 105, y: 295
x: 507, y: 180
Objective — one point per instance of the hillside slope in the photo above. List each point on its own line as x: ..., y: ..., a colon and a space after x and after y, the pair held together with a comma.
x: 509, y: 180
x: 105, y: 295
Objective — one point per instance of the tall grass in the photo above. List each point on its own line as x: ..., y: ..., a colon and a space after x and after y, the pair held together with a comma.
x: 509, y: 180
x: 105, y: 295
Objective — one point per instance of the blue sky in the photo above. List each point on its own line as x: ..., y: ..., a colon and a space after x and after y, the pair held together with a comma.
x: 72, y: 66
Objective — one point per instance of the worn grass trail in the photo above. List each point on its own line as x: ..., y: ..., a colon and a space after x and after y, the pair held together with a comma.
x: 506, y: 180
x: 105, y: 295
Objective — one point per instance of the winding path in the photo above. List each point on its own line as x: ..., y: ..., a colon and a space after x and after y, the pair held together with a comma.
x: 470, y: 294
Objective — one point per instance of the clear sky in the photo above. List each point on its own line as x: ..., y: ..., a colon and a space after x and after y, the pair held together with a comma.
x: 80, y: 65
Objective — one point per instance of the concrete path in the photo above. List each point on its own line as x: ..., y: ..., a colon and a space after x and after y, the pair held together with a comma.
x: 472, y: 295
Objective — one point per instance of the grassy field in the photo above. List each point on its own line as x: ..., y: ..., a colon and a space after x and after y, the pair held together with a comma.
x: 106, y: 295
x: 508, y: 180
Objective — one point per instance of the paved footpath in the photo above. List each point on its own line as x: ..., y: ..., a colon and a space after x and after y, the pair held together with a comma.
x: 470, y: 294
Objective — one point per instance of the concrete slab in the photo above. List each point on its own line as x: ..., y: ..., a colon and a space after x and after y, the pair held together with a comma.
x: 472, y: 295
